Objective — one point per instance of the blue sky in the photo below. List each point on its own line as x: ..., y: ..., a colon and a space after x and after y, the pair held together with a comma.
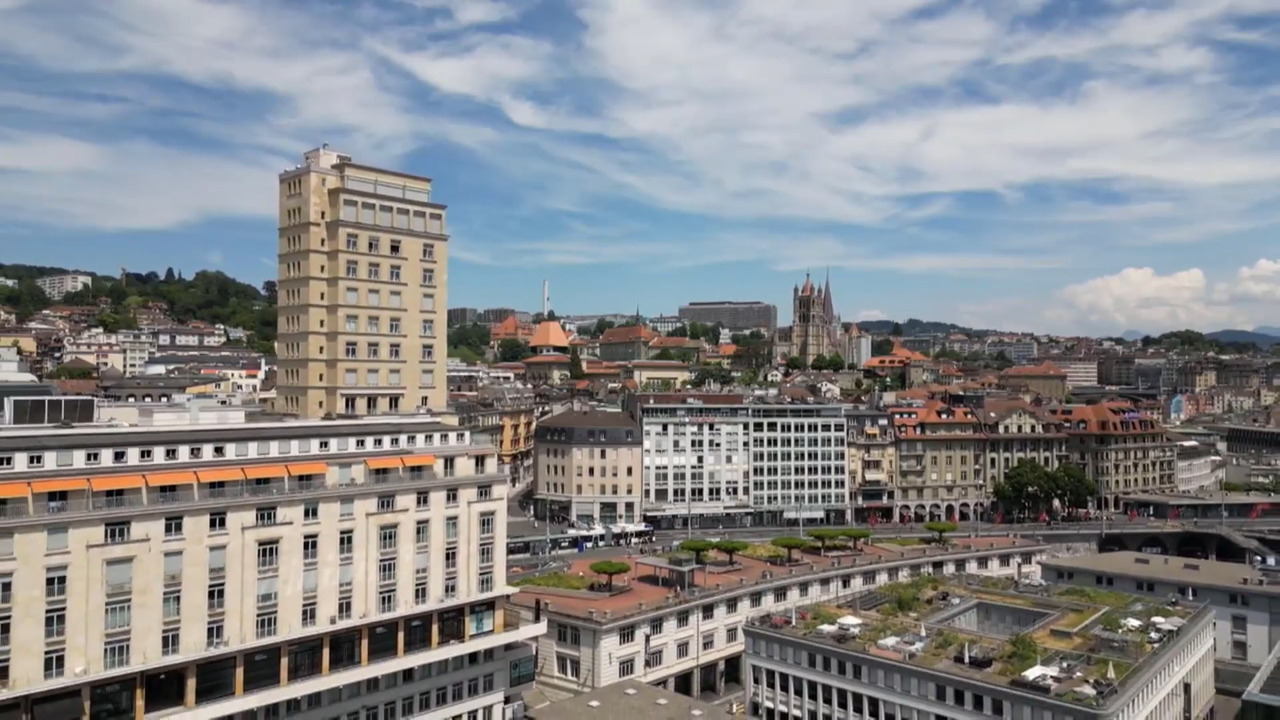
x: 1084, y: 166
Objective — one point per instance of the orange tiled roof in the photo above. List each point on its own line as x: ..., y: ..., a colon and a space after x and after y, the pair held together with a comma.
x: 883, y: 362
x: 628, y: 333
x: 1105, y: 417
x: 547, y: 359
x: 726, y: 350
x: 669, y: 342
x: 899, y: 351
x: 549, y: 334
x: 1045, y: 369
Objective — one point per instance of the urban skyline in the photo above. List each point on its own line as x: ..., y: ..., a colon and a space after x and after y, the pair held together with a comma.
x: 1119, y: 178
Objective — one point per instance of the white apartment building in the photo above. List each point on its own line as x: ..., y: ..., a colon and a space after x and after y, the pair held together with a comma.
x: 1081, y: 372
x: 696, y: 459
x: 798, y: 463
x: 1198, y: 467
x: 55, y: 286
x: 1020, y: 351
x: 692, y: 640
x: 327, y: 570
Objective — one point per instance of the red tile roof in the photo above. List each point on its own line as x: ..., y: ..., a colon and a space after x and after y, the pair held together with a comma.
x: 628, y: 333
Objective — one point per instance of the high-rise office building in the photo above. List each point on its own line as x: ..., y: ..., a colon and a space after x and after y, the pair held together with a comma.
x: 224, y: 569
x: 362, y: 290
x: 733, y: 314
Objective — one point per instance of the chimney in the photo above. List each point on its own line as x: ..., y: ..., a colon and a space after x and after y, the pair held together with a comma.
x: 591, y: 613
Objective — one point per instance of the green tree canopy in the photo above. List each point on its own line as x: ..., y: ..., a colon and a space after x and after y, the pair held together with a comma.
x: 474, y: 337
x: 665, y: 354
x: 790, y: 544
x: 512, y: 350
x: 732, y: 547
x: 881, y: 347
x: 856, y: 535
x: 941, y: 529
x: 576, y: 371
x: 698, y: 547
x: 610, y: 568
x: 824, y: 536
x: 795, y: 363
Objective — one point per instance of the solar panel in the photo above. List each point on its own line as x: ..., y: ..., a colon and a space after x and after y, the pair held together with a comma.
x: 49, y: 410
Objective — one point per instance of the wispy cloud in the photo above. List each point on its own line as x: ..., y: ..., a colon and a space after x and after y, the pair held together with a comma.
x: 906, y: 136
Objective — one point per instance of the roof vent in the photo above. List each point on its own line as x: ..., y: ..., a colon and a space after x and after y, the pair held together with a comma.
x: 662, y: 701
x: 629, y: 691
x: 695, y: 712
x: 593, y: 703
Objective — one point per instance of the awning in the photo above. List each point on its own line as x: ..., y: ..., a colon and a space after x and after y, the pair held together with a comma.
x: 382, y: 463
x: 13, y: 490
x: 220, y: 475
x: 59, y: 485
x: 260, y: 472
x: 179, y: 477
x: 419, y: 460
x: 115, y: 482
x: 316, y: 468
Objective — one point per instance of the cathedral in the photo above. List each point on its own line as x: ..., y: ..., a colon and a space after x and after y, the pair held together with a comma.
x: 816, y: 328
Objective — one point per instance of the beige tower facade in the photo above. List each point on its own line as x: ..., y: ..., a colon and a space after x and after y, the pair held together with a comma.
x: 362, y: 285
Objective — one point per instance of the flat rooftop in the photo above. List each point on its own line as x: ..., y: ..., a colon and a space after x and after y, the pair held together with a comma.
x: 653, y: 579
x: 1075, y: 644
x: 1202, y: 573
x: 629, y: 698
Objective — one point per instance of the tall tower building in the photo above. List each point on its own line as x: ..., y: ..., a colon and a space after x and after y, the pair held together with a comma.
x: 815, y: 327
x: 362, y: 290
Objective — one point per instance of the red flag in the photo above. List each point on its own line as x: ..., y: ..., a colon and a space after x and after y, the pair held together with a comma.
x: 873, y: 520
x: 1043, y: 516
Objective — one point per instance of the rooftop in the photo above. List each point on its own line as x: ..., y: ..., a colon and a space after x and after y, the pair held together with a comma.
x: 655, y: 582
x: 1199, y: 573
x: 629, y: 698
x: 1078, y: 645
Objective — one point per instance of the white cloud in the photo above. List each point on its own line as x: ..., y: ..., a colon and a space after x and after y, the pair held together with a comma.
x: 1140, y: 298
x: 864, y: 315
x: 1132, y: 125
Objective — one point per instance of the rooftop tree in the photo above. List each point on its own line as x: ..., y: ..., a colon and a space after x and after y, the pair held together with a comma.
x: 732, y: 547
x: 855, y: 535
x: 609, y: 568
x: 824, y: 536
x: 790, y: 544
x: 698, y: 547
x: 941, y: 528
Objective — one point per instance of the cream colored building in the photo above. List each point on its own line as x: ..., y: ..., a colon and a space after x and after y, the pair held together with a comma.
x: 587, y: 467
x: 657, y: 375
x: 362, y: 290
x: 300, y: 569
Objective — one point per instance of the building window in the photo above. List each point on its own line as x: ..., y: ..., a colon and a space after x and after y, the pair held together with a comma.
x: 568, y: 666
x: 115, y: 654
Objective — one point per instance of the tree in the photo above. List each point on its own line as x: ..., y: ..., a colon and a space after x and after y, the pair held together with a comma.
x: 70, y: 373
x: 512, y: 350
x: 881, y: 347
x: 474, y: 337
x: 795, y: 363
x: 835, y: 362
x: 711, y: 374
x: 824, y: 536
x: 600, y: 326
x: 698, y: 547
x: 609, y: 568
x: 819, y: 363
x: 790, y: 544
x: 170, y: 277
x: 551, y: 315
x: 576, y: 370
x: 732, y: 547
x: 941, y: 528
x: 268, y: 288
x: 665, y: 354
x: 896, y: 330
x: 857, y: 383
x: 856, y: 535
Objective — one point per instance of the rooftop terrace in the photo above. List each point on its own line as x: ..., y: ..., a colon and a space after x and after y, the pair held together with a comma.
x: 1075, y: 644
x: 654, y: 582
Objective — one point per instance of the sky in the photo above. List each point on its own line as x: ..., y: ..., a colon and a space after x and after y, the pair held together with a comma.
x: 1082, y: 166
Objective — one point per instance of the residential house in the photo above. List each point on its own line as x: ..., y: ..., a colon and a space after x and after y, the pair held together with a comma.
x: 622, y: 344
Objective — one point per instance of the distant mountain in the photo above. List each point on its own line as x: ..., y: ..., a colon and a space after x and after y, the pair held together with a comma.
x: 1268, y: 330
x: 912, y: 326
x: 1132, y: 335
x: 1262, y: 340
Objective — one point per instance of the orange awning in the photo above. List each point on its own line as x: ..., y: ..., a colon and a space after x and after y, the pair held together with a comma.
x: 382, y: 463
x: 419, y: 460
x: 179, y: 477
x: 115, y: 482
x: 59, y: 485
x: 220, y: 475
x: 14, y: 489
x: 316, y: 468
x: 261, y: 472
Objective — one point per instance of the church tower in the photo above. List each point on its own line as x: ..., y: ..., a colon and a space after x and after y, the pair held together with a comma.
x: 810, y: 325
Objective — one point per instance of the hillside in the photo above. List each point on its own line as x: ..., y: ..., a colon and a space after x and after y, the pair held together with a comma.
x: 912, y: 326
x: 209, y: 296
x: 1243, y: 336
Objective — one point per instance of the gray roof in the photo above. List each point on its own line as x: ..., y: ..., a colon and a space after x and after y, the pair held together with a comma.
x: 1229, y: 576
x: 629, y: 698
x: 590, y: 419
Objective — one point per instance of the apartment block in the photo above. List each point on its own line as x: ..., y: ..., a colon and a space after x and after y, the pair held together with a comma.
x: 697, y: 459
x: 873, y: 460
x: 341, y: 569
x: 1119, y: 448
x: 56, y: 286
x: 740, y: 315
x: 362, y: 290
x: 799, y: 463
x: 587, y: 467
